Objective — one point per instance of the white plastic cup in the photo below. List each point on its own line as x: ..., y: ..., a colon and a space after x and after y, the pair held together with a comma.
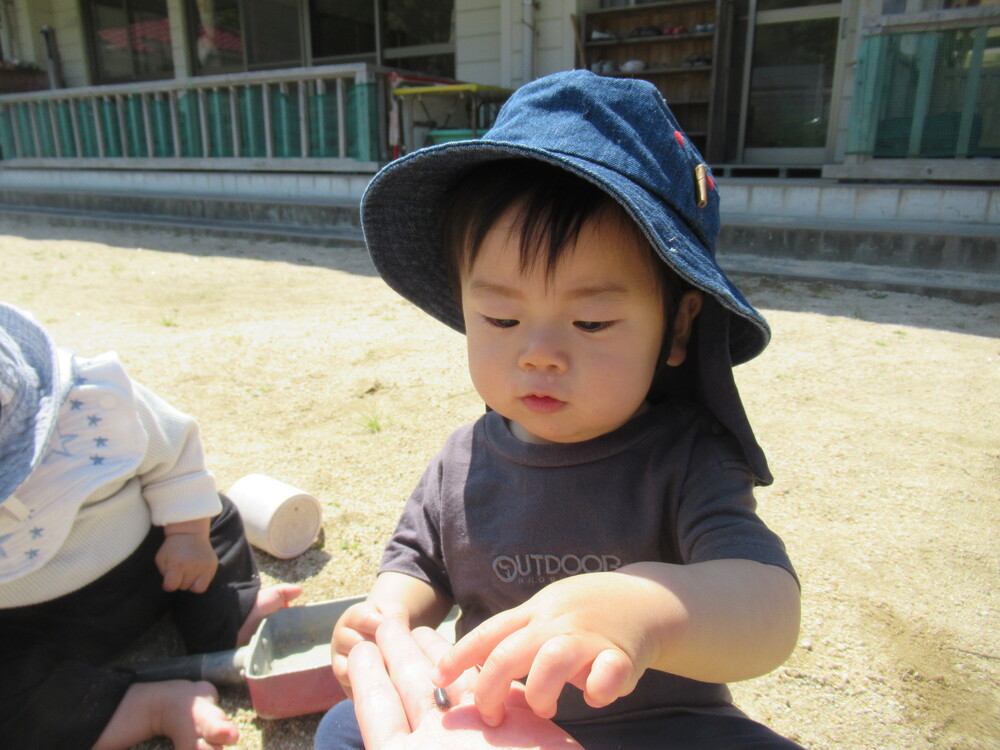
x: 278, y: 518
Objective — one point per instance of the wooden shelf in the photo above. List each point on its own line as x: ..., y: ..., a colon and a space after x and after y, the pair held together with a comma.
x: 649, y: 39
x: 660, y: 71
x: 688, y: 89
x: 668, y: 5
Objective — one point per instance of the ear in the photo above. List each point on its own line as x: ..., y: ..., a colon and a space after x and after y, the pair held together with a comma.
x: 687, y: 311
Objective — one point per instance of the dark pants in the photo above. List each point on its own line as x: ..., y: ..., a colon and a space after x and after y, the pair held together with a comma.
x: 54, y: 690
x: 338, y: 730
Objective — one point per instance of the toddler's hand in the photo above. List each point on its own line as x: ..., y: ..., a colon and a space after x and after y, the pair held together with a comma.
x: 186, y: 558
x: 581, y: 630
x: 395, y: 709
x: 359, y: 623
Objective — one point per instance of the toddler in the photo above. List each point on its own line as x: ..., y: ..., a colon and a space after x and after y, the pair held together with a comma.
x: 108, y: 520
x: 597, y: 526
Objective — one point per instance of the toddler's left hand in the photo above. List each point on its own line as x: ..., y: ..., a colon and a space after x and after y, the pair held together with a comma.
x: 186, y: 559
x: 585, y: 630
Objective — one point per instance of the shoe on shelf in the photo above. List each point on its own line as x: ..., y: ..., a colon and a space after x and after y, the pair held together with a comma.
x: 601, y: 36
x: 640, y: 31
x: 696, y: 60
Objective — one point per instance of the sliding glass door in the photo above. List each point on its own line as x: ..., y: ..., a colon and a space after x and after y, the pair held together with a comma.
x: 788, y: 81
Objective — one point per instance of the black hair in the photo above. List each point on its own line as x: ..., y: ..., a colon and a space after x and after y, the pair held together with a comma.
x: 554, y: 204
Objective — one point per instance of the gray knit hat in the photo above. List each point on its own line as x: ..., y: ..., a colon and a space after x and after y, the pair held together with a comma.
x: 32, y: 390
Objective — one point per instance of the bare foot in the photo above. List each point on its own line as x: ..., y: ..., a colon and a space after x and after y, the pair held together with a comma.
x: 185, y: 712
x: 269, y: 601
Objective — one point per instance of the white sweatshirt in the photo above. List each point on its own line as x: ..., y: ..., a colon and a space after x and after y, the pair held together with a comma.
x: 120, y: 459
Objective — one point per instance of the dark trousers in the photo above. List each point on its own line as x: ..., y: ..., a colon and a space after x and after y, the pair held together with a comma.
x: 54, y: 689
x: 339, y: 730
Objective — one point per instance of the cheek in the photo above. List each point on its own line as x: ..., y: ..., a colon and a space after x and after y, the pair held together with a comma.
x: 627, y: 369
x: 484, y: 364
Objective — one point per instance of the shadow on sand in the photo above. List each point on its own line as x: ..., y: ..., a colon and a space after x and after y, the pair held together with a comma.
x: 766, y: 293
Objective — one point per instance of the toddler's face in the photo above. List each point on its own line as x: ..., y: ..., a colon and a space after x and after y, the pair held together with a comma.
x: 569, y: 357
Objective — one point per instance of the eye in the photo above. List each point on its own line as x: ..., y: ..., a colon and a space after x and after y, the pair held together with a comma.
x: 593, y: 326
x: 500, y: 322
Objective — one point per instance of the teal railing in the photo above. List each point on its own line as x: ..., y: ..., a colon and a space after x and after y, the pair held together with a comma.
x: 932, y: 93
x: 334, y: 112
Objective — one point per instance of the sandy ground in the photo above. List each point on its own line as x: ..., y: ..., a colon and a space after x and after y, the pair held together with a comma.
x: 880, y: 414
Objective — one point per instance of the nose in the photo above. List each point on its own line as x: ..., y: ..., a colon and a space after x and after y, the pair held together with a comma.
x: 543, y: 350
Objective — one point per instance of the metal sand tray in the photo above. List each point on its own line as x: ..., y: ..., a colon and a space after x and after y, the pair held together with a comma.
x: 286, y: 665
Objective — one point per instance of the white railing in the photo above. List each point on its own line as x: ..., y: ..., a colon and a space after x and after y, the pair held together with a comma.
x: 330, y: 117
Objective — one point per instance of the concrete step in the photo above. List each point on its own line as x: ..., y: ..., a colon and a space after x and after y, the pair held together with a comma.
x: 331, y: 236
x: 959, y: 260
x: 341, y: 215
x: 960, y: 286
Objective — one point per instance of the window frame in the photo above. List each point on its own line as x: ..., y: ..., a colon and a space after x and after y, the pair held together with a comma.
x: 381, y: 55
x: 93, y: 62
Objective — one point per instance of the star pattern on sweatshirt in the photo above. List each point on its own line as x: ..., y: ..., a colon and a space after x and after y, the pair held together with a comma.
x: 59, y: 444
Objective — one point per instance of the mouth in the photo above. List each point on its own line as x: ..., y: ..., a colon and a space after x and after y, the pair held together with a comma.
x: 542, y: 404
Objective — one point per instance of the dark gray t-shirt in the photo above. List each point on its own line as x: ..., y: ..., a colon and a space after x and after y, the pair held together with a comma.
x: 494, y: 519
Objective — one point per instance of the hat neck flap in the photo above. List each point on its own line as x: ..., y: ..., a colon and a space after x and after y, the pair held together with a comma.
x: 707, y: 378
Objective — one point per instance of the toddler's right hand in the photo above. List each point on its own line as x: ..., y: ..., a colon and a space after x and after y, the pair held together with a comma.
x: 359, y: 623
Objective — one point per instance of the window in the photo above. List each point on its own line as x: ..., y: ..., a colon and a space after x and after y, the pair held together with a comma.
x: 418, y: 35
x: 343, y: 29
x: 239, y: 35
x: 129, y: 39
x: 218, y: 36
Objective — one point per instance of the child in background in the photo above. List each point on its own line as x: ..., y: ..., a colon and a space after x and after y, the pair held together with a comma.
x: 597, y: 526
x: 108, y: 520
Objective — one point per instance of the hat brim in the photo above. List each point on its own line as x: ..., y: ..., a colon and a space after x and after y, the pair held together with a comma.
x: 400, y: 219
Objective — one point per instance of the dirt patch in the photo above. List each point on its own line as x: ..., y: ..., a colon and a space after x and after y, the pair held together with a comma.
x: 880, y: 414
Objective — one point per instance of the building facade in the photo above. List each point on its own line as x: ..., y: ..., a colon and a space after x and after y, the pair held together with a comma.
x: 857, y: 89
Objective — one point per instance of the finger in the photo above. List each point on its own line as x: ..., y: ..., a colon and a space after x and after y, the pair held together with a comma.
x: 172, y: 579
x: 435, y: 646
x: 477, y: 646
x: 369, y: 617
x: 509, y: 661
x: 357, y: 624
x: 409, y: 668
x: 432, y: 643
x: 557, y: 662
x: 339, y: 664
x: 395, y: 611
x: 611, y: 676
x: 200, y: 585
x: 343, y: 642
x: 380, y: 713
x: 187, y: 580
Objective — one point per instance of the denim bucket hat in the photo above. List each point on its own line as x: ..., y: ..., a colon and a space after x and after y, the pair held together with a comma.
x: 620, y: 135
x: 616, y: 133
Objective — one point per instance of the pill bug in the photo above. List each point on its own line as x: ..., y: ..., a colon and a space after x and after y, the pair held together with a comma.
x: 441, y: 699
